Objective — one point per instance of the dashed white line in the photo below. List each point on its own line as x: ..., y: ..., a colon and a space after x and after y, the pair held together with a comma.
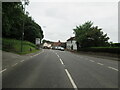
x: 100, y: 63
x: 58, y: 55
x: 3, y: 70
x: 92, y: 61
x: 14, y: 64
x: 61, y: 61
x: 113, y: 68
x: 22, y: 60
x: 71, y: 80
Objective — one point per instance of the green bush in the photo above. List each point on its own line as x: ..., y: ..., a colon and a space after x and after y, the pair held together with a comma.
x: 115, y: 44
x: 102, y: 49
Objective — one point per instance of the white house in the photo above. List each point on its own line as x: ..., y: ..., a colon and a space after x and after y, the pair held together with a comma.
x: 71, y: 44
x: 47, y: 45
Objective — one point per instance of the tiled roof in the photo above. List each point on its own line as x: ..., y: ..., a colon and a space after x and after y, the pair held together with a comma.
x: 72, y: 38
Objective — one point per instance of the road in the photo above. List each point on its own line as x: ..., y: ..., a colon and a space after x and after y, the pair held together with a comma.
x: 61, y: 69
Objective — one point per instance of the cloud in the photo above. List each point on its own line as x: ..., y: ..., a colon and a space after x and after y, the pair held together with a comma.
x: 61, y: 18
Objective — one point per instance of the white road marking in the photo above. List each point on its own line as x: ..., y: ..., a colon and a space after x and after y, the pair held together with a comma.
x: 22, y: 60
x: 37, y: 54
x: 100, y: 63
x: 113, y: 68
x: 3, y: 70
x: 58, y: 55
x: 92, y: 61
x: 14, y: 64
x: 61, y: 61
x: 71, y: 80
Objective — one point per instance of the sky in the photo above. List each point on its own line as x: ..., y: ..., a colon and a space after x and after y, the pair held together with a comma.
x: 59, y: 18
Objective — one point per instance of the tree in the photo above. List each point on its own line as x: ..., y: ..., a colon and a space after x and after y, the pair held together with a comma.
x: 12, y: 19
x: 88, y: 35
x: 12, y: 23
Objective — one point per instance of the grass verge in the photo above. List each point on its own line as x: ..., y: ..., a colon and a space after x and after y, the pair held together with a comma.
x: 12, y: 45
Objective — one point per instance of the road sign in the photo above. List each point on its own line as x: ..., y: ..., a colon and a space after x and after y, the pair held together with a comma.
x: 37, y: 41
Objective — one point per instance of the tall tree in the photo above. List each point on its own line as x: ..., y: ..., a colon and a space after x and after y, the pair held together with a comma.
x: 88, y: 35
x: 13, y: 20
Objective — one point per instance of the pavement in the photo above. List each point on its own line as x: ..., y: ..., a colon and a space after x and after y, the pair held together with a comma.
x: 61, y: 69
x: 9, y: 59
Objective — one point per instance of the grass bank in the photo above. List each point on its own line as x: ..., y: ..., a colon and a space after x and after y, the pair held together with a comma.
x: 12, y: 45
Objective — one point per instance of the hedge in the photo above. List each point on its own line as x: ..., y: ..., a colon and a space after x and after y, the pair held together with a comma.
x: 102, y: 49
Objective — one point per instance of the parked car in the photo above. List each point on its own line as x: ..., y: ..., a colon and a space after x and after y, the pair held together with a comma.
x: 62, y: 49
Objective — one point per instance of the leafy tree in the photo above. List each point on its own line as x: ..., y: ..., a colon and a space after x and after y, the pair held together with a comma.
x: 88, y: 35
x: 13, y: 20
x: 32, y: 30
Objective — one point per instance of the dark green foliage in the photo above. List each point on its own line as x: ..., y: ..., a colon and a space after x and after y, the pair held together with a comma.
x: 13, y: 20
x: 115, y: 45
x: 102, y: 49
x: 47, y: 41
x: 89, y: 36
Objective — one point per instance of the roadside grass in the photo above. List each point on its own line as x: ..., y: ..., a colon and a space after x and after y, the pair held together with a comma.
x: 12, y: 45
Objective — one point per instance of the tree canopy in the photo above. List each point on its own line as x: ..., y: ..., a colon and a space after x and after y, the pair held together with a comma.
x: 13, y: 18
x: 88, y: 35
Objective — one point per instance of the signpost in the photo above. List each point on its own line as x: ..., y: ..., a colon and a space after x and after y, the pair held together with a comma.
x: 37, y: 41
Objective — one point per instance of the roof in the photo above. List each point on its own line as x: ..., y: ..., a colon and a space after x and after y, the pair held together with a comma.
x: 56, y: 43
x: 72, y: 38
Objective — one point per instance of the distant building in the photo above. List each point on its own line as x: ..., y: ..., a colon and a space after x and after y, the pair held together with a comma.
x: 71, y: 44
x: 47, y: 45
x: 57, y: 44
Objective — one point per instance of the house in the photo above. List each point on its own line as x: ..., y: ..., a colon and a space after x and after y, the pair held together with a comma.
x: 47, y: 45
x: 71, y: 44
x: 59, y: 43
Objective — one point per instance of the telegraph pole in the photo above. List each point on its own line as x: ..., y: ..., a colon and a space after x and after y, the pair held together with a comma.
x: 25, y: 2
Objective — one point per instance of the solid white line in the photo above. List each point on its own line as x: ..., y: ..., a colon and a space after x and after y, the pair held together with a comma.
x: 22, y: 61
x: 92, y: 61
x: 3, y: 70
x: 100, y: 63
x: 71, y: 80
x: 61, y: 61
x: 113, y: 68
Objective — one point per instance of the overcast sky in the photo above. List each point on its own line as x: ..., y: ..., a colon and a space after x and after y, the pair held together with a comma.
x: 58, y: 19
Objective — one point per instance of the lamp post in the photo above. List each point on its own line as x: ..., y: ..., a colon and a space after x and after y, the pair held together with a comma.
x: 25, y: 2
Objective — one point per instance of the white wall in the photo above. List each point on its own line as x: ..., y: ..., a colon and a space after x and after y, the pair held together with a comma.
x: 74, y: 45
x: 71, y: 43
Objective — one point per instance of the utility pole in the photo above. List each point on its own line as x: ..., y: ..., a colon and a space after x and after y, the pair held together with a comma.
x: 25, y: 2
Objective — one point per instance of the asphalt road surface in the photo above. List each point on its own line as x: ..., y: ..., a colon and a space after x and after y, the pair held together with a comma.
x: 61, y: 69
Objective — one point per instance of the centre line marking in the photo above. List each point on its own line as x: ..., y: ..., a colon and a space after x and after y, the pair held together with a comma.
x: 92, y: 61
x: 71, y: 80
x: 3, y: 70
x: 14, y: 64
x: 22, y: 61
x: 113, y: 68
x: 58, y: 55
x: 61, y: 62
x: 100, y: 63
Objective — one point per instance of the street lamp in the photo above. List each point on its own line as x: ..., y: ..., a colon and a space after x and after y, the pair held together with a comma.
x: 25, y: 2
